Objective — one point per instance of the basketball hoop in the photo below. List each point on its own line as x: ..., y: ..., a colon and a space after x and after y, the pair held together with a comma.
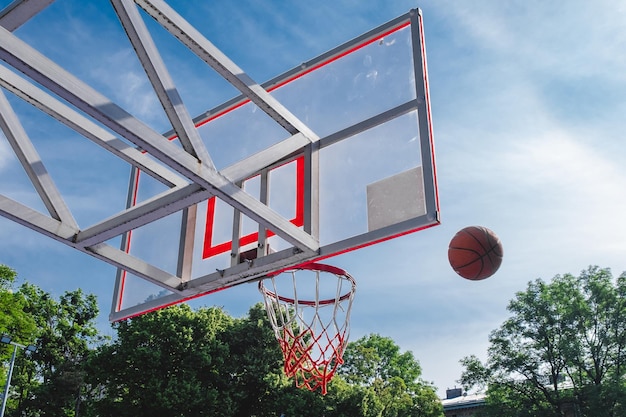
x: 312, y: 333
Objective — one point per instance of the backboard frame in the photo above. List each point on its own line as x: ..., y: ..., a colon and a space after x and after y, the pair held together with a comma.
x: 241, y: 272
x: 187, y: 171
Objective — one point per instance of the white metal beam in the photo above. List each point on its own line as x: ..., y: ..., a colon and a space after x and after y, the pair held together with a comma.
x: 177, y: 199
x: 64, y: 233
x: 205, y: 50
x: 161, y: 80
x: 168, y: 202
x: 36, y: 221
x: 32, y: 164
x: 20, y: 11
x: 44, y: 71
x: 74, y: 120
x: 135, y: 266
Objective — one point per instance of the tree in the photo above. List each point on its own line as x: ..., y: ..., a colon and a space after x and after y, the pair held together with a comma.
x: 390, y: 382
x: 258, y: 384
x: 169, y: 362
x: 13, y: 320
x: 50, y: 381
x: 180, y: 362
x: 66, y: 332
x: 20, y: 326
x: 562, y: 347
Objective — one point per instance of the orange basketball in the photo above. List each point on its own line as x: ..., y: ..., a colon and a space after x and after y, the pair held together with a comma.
x: 475, y: 253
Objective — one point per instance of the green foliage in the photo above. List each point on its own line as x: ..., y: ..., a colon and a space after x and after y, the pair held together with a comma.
x: 181, y: 362
x: 49, y: 382
x: 178, y: 362
x: 168, y: 362
x: 374, y: 358
x: 20, y: 326
x: 66, y: 330
x: 13, y: 319
x: 256, y: 379
x: 389, y: 381
x: 562, y: 348
x: 344, y: 399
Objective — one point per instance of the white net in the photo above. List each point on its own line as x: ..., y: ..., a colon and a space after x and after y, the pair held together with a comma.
x: 310, y: 314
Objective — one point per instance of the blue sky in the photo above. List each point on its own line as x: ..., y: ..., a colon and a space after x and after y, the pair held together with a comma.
x: 528, y: 103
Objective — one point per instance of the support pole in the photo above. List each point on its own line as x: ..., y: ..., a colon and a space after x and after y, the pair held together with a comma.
x: 8, y: 384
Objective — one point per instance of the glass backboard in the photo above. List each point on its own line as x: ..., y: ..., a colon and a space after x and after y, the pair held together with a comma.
x: 368, y: 176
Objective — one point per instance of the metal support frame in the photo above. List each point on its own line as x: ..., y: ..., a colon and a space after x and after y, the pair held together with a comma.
x: 5, y: 396
x: 187, y: 171
x: 30, y: 348
x: 239, y: 273
x: 21, y: 11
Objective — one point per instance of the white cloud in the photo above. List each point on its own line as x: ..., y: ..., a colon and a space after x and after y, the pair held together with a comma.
x: 572, y: 40
x: 129, y: 86
x: 576, y: 188
x: 558, y: 156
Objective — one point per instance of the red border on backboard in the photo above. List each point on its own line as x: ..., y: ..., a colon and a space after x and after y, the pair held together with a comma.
x: 209, y: 249
x: 300, y: 74
x: 126, y: 249
x: 298, y: 220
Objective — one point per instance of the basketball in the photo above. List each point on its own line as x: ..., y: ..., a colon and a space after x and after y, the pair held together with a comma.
x: 475, y: 253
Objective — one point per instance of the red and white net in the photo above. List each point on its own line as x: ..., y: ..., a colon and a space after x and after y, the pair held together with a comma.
x: 310, y: 314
